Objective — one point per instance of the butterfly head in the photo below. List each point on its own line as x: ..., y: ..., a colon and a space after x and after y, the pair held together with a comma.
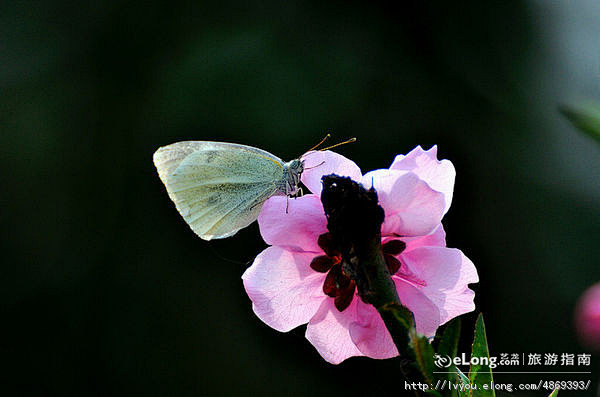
x: 292, y: 171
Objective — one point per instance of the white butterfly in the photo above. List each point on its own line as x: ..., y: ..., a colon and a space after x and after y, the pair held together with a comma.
x: 220, y: 188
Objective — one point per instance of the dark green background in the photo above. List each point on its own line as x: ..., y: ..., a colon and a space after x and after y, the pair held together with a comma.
x: 105, y: 289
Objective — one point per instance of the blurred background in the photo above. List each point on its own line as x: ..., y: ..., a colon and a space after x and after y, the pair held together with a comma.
x: 106, y: 291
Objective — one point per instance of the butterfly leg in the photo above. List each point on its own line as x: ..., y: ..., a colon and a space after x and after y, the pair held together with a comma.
x: 299, y: 193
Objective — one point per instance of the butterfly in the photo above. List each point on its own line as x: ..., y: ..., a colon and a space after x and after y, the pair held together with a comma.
x: 220, y: 188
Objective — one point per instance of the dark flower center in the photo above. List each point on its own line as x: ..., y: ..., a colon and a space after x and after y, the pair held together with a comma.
x: 338, y: 284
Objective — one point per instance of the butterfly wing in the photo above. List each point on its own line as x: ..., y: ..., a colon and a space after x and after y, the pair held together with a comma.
x: 218, y: 188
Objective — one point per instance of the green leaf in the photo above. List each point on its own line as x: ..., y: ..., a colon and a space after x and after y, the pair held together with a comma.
x: 449, y: 343
x: 584, y: 116
x: 424, y: 353
x: 401, y: 314
x: 463, y: 378
x: 401, y: 325
x: 448, y: 348
x: 480, y: 375
x: 399, y: 322
x: 554, y: 393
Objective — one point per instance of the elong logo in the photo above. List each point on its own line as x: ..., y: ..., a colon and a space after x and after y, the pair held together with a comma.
x: 445, y: 361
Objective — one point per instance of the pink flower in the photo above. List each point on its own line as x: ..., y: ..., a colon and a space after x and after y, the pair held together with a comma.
x: 587, y: 317
x: 299, y: 280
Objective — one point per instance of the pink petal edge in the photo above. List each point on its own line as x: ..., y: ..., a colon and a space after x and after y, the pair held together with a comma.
x: 426, y: 313
x: 439, y: 174
x: 284, y: 290
x: 412, y: 208
x: 328, y: 332
x: 447, y: 273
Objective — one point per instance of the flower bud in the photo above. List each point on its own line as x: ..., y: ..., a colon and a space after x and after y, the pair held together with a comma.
x: 587, y: 317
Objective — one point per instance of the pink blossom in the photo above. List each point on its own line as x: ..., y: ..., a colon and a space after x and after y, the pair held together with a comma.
x: 587, y: 317
x: 298, y: 279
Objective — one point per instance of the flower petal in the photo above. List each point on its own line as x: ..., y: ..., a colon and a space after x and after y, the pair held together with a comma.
x: 317, y: 164
x: 446, y: 273
x: 427, y: 315
x: 370, y: 335
x: 299, y: 228
x: 284, y: 290
x: 437, y: 238
x: 328, y: 332
x: 439, y: 175
x: 412, y: 208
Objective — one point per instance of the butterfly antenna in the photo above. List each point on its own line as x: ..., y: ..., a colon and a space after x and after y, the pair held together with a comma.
x: 312, y: 150
x: 320, y: 143
x: 338, y: 144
